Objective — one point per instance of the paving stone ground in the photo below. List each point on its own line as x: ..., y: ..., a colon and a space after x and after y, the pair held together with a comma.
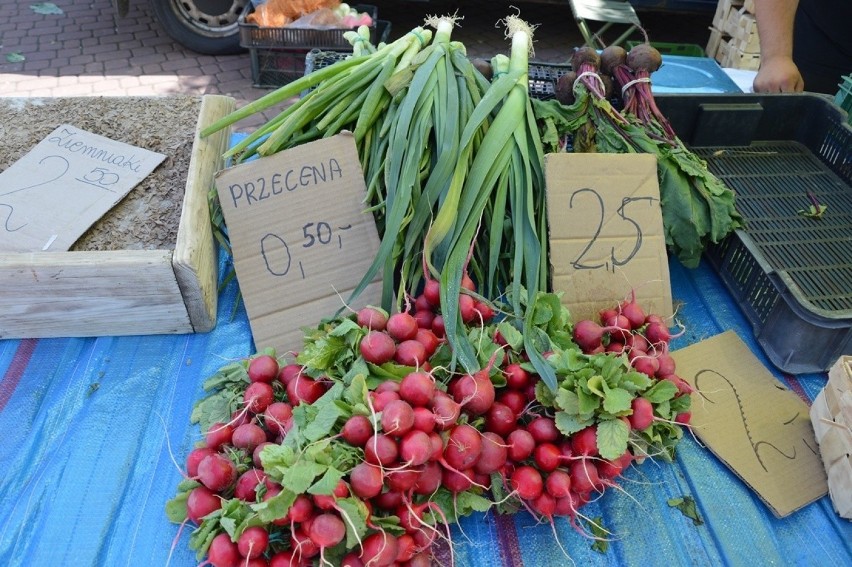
x: 89, y: 51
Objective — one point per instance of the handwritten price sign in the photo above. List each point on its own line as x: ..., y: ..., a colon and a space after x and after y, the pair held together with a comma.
x: 300, y: 239
x: 53, y: 194
x: 606, y: 232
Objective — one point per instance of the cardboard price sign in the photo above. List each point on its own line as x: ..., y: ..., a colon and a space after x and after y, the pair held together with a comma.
x: 606, y: 232
x: 760, y: 429
x: 300, y: 240
x: 61, y: 187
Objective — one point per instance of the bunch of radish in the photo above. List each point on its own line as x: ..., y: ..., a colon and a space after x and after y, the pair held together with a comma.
x: 401, y: 442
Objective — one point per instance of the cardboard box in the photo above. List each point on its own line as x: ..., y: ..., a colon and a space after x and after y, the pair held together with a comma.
x: 831, y: 416
x: 126, y: 292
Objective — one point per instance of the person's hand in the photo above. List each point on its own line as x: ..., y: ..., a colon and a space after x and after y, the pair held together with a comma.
x: 778, y: 75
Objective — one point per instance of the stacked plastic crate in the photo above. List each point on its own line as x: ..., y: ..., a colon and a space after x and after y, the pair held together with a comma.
x: 278, y: 53
x: 734, y: 42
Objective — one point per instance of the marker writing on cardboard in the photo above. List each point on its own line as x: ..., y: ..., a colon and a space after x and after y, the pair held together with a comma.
x: 276, y: 253
x: 580, y: 262
x: 304, y: 177
x: 755, y: 444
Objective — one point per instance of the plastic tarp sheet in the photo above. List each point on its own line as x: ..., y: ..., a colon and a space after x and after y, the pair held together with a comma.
x: 95, y: 431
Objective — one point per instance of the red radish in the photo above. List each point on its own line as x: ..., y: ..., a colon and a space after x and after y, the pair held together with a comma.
x: 475, y: 393
x: 417, y: 388
x: 247, y: 483
x: 327, y: 530
x: 217, y: 472
x: 657, y: 333
x: 424, y: 420
x: 521, y: 444
x: 446, y: 410
x: 633, y: 312
x: 683, y: 387
x: 558, y: 484
x: 463, y: 447
x: 666, y: 365
x: 262, y: 368
x: 415, y: 448
x: 422, y: 559
x: 402, y: 326
x: 382, y: 398
x: 429, y: 479
x: 500, y: 419
x: 457, y: 481
x: 588, y: 334
x: 373, y: 318
x: 438, y: 326
x: 467, y: 282
x: 422, y: 304
x: 484, y: 311
x: 195, y: 456
x: 547, y: 457
x: 493, y: 454
x: 543, y: 429
x: 429, y: 340
x: 200, y: 502
x: 683, y: 418
x: 637, y: 341
x: 618, y: 327
x: 301, y: 509
x: 516, y: 377
x: 288, y: 372
x: 647, y: 365
x: 615, y: 347
x: 351, y: 559
x: 248, y: 436
x: 223, y: 552
x: 302, y: 545
x: 517, y: 401
x: 584, y: 476
x: 379, y: 549
x: 258, y: 396
x: 288, y: 558
x: 378, y: 347
x: 278, y: 417
x: 303, y: 389
x: 388, y: 386
x: 432, y: 292
x: 388, y: 500
x: 424, y: 319
x: 356, y: 430
x: 585, y: 442
x: 407, y: 548
x: 526, y: 481
x: 467, y: 308
x: 365, y: 480
x: 219, y: 434
x: 608, y: 470
x: 255, y: 455
x: 643, y: 414
x: 437, y: 443
x: 253, y: 542
x: 544, y: 505
x: 410, y: 353
x: 380, y: 449
x: 397, y: 418
x: 402, y: 480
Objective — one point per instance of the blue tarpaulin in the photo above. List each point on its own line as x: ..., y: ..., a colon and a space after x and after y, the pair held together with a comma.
x: 96, y: 431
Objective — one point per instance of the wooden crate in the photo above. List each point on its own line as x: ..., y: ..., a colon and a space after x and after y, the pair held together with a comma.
x: 125, y: 292
x: 831, y: 416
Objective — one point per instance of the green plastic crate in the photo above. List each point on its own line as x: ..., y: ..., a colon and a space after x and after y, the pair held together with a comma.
x: 843, y: 99
x: 684, y: 49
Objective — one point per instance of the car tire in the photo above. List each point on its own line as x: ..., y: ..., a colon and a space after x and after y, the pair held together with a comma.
x: 191, y: 23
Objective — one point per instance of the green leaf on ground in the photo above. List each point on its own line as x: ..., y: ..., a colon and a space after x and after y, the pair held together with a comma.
x: 688, y: 508
x: 15, y: 57
x: 46, y: 9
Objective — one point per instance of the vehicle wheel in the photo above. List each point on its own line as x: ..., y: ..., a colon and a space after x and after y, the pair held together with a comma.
x: 205, y: 26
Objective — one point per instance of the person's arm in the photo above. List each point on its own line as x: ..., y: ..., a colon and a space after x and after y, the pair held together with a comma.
x: 778, y: 72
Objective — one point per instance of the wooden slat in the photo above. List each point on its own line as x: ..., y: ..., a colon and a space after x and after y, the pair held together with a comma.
x: 85, y: 294
x: 195, y: 262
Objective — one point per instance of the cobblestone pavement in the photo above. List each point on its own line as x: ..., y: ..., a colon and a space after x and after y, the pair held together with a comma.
x: 89, y: 51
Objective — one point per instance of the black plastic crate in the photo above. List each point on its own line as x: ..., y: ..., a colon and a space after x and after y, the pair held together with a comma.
x: 255, y: 36
x: 790, y: 274
x: 272, y: 68
x: 542, y: 76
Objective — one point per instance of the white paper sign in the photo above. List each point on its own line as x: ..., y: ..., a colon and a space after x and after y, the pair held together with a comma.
x: 54, y: 193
